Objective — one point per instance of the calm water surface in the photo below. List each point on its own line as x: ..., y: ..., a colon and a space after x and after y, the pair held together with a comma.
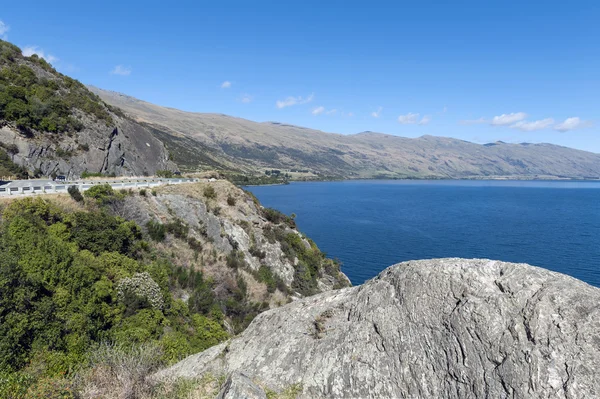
x: 370, y: 225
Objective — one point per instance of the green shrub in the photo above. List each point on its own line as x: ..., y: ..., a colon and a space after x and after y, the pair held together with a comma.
x: 71, y: 280
x: 178, y: 228
x: 164, y: 173
x: 195, y: 244
x: 75, y: 193
x: 156, y: 230
x: 209, y: 192
x: 154, y: 193
x: 254, y: 251
x: 265, y: 275
x: 235, y: 259
x: 104, y: 194
x: 87, y: 174
x: 14, y: 385
x: 39, y: 103
x: 51, y: 388
x: 230, y: 200
x: 143, y: 192
x: 276, y: 217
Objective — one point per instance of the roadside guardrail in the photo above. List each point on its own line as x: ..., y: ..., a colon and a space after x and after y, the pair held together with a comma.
x: 23, y: 189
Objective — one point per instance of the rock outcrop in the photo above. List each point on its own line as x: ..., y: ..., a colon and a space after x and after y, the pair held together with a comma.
x: 123, y: 149
x: 444, y: 328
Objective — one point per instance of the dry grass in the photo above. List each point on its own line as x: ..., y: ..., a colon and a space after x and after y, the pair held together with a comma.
x: 116, y: 372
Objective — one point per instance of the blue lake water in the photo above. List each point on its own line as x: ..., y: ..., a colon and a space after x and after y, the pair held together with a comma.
x: 370, y: 225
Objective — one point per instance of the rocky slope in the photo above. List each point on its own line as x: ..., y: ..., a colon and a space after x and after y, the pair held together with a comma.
x: 221, y: 141
x: 449, y: 328
x: 51, y: 124
x: 231, y: 236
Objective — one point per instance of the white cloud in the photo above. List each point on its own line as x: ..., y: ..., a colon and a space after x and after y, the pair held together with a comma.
x: 226, y: 85
x: 508, y: 119
x: 535, y: 125
x: 318, y: 110
x: 425, y: 120
x: 473, y: 121
x: 331, y: 111
x: 445, y: 109
x: 288, y: 102
x: 121, y: 70
x: 377, y: 114
x: 3, y: 29
x: 28, y: 51
x: 572, y: 123
x: 409, y: 118
x: 350, y: 114
x: 246, y: 98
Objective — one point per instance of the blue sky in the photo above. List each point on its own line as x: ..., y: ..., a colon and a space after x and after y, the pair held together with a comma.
x: 475, y: 70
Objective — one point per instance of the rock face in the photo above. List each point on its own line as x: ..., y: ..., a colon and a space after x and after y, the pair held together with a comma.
x: 224, y: 230
x: 450, y: 328
x: 124, y: 149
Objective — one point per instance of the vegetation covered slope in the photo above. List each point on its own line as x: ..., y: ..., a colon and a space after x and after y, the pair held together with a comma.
x: 58, y: 126
x: 83, y: 284
x: 250, y: 146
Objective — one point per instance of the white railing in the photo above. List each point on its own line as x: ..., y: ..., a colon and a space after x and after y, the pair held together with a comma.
x: 54, y: 188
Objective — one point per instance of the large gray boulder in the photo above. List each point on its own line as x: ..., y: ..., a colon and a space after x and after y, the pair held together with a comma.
x: 451, y: 328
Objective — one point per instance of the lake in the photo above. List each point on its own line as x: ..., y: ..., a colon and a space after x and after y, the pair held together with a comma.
x: 370, y: 225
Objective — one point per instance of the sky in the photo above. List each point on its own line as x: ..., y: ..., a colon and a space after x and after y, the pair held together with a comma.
x: 482, y: 71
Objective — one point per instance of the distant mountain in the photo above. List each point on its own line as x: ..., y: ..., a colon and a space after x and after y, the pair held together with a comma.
x: 215, y: 140
x: 52, y: 124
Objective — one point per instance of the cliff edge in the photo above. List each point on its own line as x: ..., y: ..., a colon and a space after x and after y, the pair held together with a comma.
x: 451, y: 328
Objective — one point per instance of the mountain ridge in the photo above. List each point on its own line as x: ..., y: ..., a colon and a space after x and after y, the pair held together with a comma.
x: 252, y: 147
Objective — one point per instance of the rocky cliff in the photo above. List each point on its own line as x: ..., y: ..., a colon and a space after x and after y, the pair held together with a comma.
x: 51, y: 124
x: 445, y: 328
x: 230, y: 236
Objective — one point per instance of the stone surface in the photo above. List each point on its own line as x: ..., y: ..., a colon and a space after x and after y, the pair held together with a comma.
x: 444, y: 328
x: 239, y: 386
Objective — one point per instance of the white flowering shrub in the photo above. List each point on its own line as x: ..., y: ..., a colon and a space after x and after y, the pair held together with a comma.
x: 140, y: 286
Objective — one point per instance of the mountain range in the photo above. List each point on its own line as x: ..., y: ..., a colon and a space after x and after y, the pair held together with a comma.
x: 214, y: 140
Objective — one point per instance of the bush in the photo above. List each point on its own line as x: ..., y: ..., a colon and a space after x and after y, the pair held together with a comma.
x: 75, y: 193
x: 14, y: 385
x: 235, y: 259
x: 276, y: 217
x: 156, y: 230
x: 51, y: 388
x: 143, y: 192
x: 164, y: 173
x: 230, y: 200
x: 104, y: 194
x: 154, y: 193
x: 178, y: 228
x: 195, y: 244
x: 209, y: 192
x: 265, y: 275
x: 140, y: 289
